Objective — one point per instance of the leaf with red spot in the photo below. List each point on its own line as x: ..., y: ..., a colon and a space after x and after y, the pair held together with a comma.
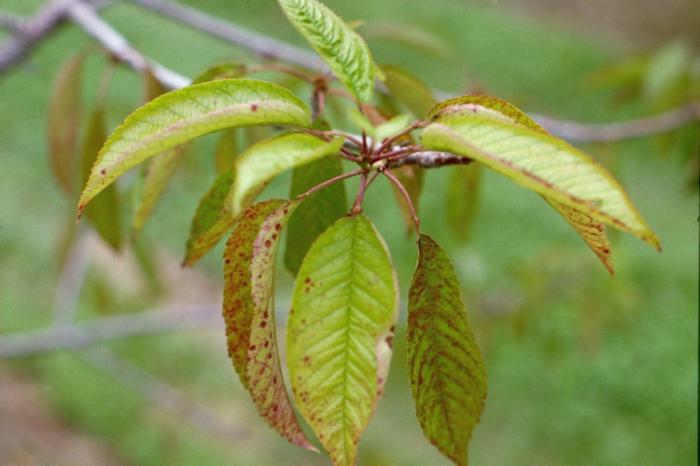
x: 249, y: 313
x: 446, y: 369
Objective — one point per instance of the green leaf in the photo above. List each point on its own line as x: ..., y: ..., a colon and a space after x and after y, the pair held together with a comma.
x: 507, y: 142
x: 212, y: 218
x: 65, y: 112
x: 339, y: 46
x: 446, y: 369
x: 392, y: 127
x: 184, y: 114
x: 340, y: 332
x: 250, y: 315
x: 462, y: 199
x: 225, y: 70
x: 409, y: 90
x: 253, y: 169
x: 154, y: 180
x: 320, y: 210
x: 105, y: 212
x: 226, y: 150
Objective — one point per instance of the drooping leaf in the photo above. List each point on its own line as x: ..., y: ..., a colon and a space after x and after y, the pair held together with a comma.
x: 337, y: 43
x: 184, y: 114
x: 446, y: 369
x: 253, y: 169
x: 340, y: 332
x: 591, y: 231
x: 226, y: 150
x: 462, y: 199
x: 411, y: 177
x: 320, y: 210
x: 65, y: 112
x: 154, y: 180
x: 409, y: 90
x: 104, y: 213
x: 250, y: 315
x: 535, y: 160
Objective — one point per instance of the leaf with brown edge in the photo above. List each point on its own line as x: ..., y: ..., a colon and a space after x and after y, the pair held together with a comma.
x: 249, y: 262
x: 536, y: 160
x: 339, y: 333
x: 65, y: 112
x: 591, y: 230
x: 446, y: 368
x: 462, y: 200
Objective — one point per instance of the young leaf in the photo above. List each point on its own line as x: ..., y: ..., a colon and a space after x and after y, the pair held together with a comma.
x: 184, y: 114
x: 318, y: 212
x: 540, y: 162
x: 253, y: 169
x: 65, y: 111
x: 446, y: 369
x: 591, y: 230
x: 105, y: 212
x: 409, y: 90
x: 250, y: 315
x: 340, y: 46
x: 340, y: 331
x: 393, y: 126
x: 462, y: 199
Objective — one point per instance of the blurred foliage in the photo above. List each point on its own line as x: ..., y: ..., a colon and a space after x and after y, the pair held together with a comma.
x: 583, y: 369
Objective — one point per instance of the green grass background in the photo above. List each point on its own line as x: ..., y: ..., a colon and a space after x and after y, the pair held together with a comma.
x: 584, y: 369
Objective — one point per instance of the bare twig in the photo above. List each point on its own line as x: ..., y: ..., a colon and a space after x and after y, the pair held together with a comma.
x: 10, y: 22
x: 85, y: 16
x: 74, y: 336
x: 16, y: 48
x: 430, y: 159
x: 71, y: 278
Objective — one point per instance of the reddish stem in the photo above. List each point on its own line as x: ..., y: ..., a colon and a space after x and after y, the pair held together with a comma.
x: 406, y: 196
x: 357, y: 206
x: 329, y: 182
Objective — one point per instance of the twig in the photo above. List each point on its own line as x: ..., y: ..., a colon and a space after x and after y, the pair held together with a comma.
x: 329, y: 182
x: 407, y: 197
x: 74, y: 336
x: 430, y: 159
x: 10, y: 22
x: 70, y: 279
x: 85, y: 16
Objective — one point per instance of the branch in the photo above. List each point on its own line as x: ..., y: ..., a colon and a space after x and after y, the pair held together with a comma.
x: 74, y: 336
x: 30, y: 33
x: 272, y: 48
x: 431, y: 160
x: 10, y: 22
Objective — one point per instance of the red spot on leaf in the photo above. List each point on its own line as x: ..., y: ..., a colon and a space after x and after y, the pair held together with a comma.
x: 254, y: 108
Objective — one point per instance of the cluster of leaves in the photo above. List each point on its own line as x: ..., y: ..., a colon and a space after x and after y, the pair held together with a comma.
x: 346, y: 299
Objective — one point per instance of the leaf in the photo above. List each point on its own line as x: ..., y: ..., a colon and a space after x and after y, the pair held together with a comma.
x: 184, y: 114
x: 446, y: 369
x: 340, y: 332
x: 462, y: 200
x: 226, y: 149
x: 253, y: 169
x: 393, y: 126
x: 211, y: 220
x: 409, y: 90
x: 154, y: 180
x: 65, y: 112
x: 508, y: 144
x: 339, y: 46
x: 157, y: 173
x: 250, y: 315
x: 320, y: 210
x: 105, y: 212
x: 224, y: 70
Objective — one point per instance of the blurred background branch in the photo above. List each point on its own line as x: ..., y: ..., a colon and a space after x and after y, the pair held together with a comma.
x: 84, y: 14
